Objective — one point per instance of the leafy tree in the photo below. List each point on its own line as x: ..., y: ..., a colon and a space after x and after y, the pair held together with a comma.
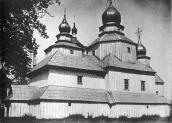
x: 18, y: 20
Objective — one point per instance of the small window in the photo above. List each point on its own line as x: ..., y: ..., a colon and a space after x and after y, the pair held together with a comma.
x: 93, y: 52
x: 71, y: 52
x: 80, y: 80
x: 142, y: 85
x: 126, y: 84
x: 156, y: 92
x: 69, y: 104
x: 147, y: 106
x: 128, y: 50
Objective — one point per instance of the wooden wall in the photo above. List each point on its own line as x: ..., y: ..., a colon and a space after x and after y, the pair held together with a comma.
x: 55, y: 110
x: 160, y: 89
x: 116, y: 82
x: 65, y: 51
x: 119, y: 49
x: 70, y: 79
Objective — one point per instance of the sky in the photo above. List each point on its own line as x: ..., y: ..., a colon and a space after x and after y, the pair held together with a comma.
x: 152, y: 16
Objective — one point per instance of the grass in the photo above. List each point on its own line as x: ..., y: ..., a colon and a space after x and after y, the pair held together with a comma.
x: 81, y: 119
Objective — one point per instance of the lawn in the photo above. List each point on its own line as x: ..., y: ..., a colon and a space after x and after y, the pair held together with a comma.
x: 86, y: 120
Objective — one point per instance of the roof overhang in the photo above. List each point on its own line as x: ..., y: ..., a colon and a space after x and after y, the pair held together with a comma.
x: 133, y: 71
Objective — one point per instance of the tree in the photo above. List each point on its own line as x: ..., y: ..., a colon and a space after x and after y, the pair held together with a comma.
x: 18, y: 20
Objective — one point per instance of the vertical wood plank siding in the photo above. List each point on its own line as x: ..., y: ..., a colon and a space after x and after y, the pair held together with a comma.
x: 70, y: 80
x: 160, y: 89
x: 55, y: 110
x: 116, y: 82
x: 119, y: 49
x: 64, y: 51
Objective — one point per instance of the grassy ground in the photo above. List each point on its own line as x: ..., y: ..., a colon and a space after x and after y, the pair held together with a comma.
x: 87, y: 120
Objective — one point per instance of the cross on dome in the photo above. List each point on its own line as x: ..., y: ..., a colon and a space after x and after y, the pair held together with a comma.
x: 110, y: 1
x: 139, y: 33
x: 65, y: 11
x: 141, y: 50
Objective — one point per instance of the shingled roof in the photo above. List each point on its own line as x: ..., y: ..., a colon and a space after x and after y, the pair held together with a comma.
x: 73, y: 94
x: 130, y: 97
x: 112, y: 37
x: 112, y: 61
x: 75, y: 45
x: 78, y: 62
x: 22, y: 92
x: 158, y: 79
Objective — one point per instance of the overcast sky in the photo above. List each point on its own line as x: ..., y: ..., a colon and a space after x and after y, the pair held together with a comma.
x: 152, y: 16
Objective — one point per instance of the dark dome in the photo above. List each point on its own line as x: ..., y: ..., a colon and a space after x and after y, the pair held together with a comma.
x: 74, y: 29
x: 141, y: 50
x: 64, y: 26
x: 111, y: 15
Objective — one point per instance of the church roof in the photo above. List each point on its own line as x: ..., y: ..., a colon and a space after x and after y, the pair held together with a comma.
x: 74, y: 94
x: 78, y: 62
x: 89, y: 62
x: 112, y: 37
x: 22, y: 92
x: 112, y: 61
x: 130, y: 97
x: 76, y: 41
x: 158, y: 79
x: 64, y: 44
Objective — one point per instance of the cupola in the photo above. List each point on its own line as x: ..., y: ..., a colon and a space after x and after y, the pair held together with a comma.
x: 74, y: 29
x: 111, y: 15
x: 141, y: 50
x: 64, y: 27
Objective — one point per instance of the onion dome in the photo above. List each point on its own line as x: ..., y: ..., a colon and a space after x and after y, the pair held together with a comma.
x: 74, y: 29
x: 141, y: 50
x: 64, y: 27
x: 111, y: 15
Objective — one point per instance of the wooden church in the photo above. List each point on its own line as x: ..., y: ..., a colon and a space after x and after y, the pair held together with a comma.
x: 112, y: 77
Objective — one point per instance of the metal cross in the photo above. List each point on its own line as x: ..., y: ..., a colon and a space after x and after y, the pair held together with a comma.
x: 65, y: 11
x: 110, y: 1
x: 138, y: 33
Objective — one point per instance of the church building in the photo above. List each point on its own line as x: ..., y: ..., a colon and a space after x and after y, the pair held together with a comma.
x: 112, y: 77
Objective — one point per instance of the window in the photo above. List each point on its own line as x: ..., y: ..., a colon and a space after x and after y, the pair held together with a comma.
x: 142, y: 85
x: 93, y: 52
x: 80, y: 80
x: 126, y: 84
x: 71, y: 52
x: 69, y: 104
x: 128, y: 50
x: 147, y: 106
x: 156, y: 92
